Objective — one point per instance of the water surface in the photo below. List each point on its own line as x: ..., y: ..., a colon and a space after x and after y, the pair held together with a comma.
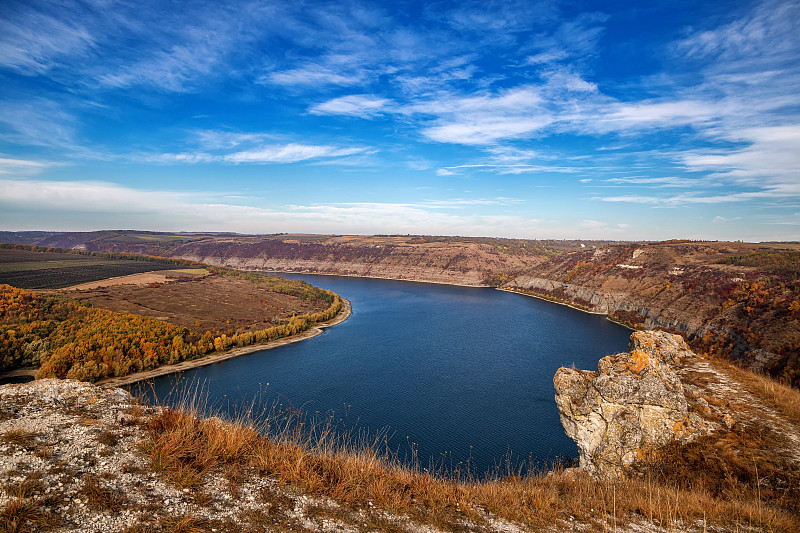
x: 463, y: 375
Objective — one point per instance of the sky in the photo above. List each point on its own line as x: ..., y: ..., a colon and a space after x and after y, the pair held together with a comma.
x: 621, y: 120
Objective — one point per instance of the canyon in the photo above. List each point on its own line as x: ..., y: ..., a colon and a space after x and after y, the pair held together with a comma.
x: 734, y: 300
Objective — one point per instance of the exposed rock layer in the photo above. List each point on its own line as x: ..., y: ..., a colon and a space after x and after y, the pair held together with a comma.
x: 729, y: 309
x: 631, y: 406
x: 749, y: 312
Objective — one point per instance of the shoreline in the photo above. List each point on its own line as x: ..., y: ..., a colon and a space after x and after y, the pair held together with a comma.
x: 301, y: 272
x: 165, y: 370
x: 567, y: 305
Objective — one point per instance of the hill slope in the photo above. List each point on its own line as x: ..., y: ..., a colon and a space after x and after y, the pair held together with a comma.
x: 737, y: 300
x: 734, y: 300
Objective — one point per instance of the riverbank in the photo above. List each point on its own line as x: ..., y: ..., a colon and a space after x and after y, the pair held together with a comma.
x: 312, y: 332
x: 335, y: 274
x: 568, y: 305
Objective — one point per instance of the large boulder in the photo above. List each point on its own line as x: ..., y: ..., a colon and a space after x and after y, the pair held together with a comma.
x: 630, y: 407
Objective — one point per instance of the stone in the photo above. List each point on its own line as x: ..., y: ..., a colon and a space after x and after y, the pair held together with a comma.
x: 632, y: 405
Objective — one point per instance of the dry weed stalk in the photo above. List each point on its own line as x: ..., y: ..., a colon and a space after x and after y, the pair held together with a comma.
x: 709, y: 480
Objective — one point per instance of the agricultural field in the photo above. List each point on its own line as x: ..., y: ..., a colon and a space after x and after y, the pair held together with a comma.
x: 49, y: 270
x: 216, y: 303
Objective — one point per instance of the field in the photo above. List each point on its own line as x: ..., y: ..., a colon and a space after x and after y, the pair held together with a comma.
x: 44, y: 270
x: 111, y: 323
x: 202, y: 303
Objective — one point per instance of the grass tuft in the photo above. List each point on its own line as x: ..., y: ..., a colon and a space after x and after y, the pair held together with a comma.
x: 722, y: 479
x: 99, y: 498
x: 23, y: 516
x: 19, y: 437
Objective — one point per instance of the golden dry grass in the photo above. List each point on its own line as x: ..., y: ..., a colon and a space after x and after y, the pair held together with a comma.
x: 709, y: 480
x: 779, y: 396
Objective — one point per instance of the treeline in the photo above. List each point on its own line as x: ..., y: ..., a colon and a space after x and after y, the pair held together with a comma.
x: 67, y: 340
x: 185, y: 263
x: 778, y: 261
x: 293, y: 287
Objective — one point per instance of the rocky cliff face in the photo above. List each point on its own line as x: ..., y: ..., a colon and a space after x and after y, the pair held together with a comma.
x: 631, y: 406
x: 732, y: 300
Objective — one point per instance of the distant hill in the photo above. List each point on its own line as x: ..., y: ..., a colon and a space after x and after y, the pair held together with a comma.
x: 734, y: 300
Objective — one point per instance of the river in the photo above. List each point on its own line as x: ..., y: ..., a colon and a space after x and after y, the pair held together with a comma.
x: 460, y: 375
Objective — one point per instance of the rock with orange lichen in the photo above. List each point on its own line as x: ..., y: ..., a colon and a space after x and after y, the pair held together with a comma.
x: 631, y: 406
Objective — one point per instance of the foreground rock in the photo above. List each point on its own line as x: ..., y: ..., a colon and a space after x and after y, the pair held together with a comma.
x: 634, y: 404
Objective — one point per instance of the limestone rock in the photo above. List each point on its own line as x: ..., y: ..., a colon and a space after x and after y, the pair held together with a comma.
x: 633, y: 404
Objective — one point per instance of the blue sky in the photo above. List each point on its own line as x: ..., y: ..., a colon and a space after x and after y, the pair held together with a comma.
x: 580, y: 119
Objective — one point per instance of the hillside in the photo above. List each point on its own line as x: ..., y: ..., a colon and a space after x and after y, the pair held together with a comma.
x: 453, y: 260
x: 136, y: 323
x: 736, y: 300
x: 732, y: 300
x: 74, y: 457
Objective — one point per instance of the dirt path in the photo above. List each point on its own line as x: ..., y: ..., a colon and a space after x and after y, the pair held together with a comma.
x: 343, y: 315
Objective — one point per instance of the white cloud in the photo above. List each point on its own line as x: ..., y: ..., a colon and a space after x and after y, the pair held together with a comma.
x: 277, y: 153
x: 625, y: 117
x: 38, y: 122
x: 312, y: 75
x: 19, y: 166
x: 289, y: 153
x: 668, y: 181
x: 357, y: 105
x: 688, y: 199
x: 34, y: 42
x: 33, y: 204
x: 549, y: 56
x: 770, y: 158
x: 84, y: 196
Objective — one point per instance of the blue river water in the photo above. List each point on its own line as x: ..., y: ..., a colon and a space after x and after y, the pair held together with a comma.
x: 458, y: 378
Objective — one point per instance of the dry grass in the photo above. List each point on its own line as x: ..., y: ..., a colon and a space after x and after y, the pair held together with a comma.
x: 722, y: 479
x: 779, y: 396
x: 23, y: 515
x: 19, y: 437
x: 108, y: 437
x: 99, y: 498
x: 27, y: 488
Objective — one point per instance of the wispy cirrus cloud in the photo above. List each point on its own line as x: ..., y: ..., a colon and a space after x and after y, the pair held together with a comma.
x: 19, y: 167
x: 356, y: 105
x: 38, y: 122
x: 34, y: 41
x: 313, y: 75
x: 265, y: 154
x: 289, y: 153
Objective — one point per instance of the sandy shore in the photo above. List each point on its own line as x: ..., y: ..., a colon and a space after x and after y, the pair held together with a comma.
x: 343, y: 315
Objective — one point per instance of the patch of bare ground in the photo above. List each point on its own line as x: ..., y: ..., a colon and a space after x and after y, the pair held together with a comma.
x: 200, y: 302
x: 143, y: 278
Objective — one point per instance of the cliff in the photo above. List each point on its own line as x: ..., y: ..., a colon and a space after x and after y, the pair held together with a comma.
x: 634, y: 404
x: 732, y: 300
x: 450, y: 260
x: 661, y: 411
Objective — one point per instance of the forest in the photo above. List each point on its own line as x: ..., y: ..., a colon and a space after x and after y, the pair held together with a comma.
x: 65, y: 339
